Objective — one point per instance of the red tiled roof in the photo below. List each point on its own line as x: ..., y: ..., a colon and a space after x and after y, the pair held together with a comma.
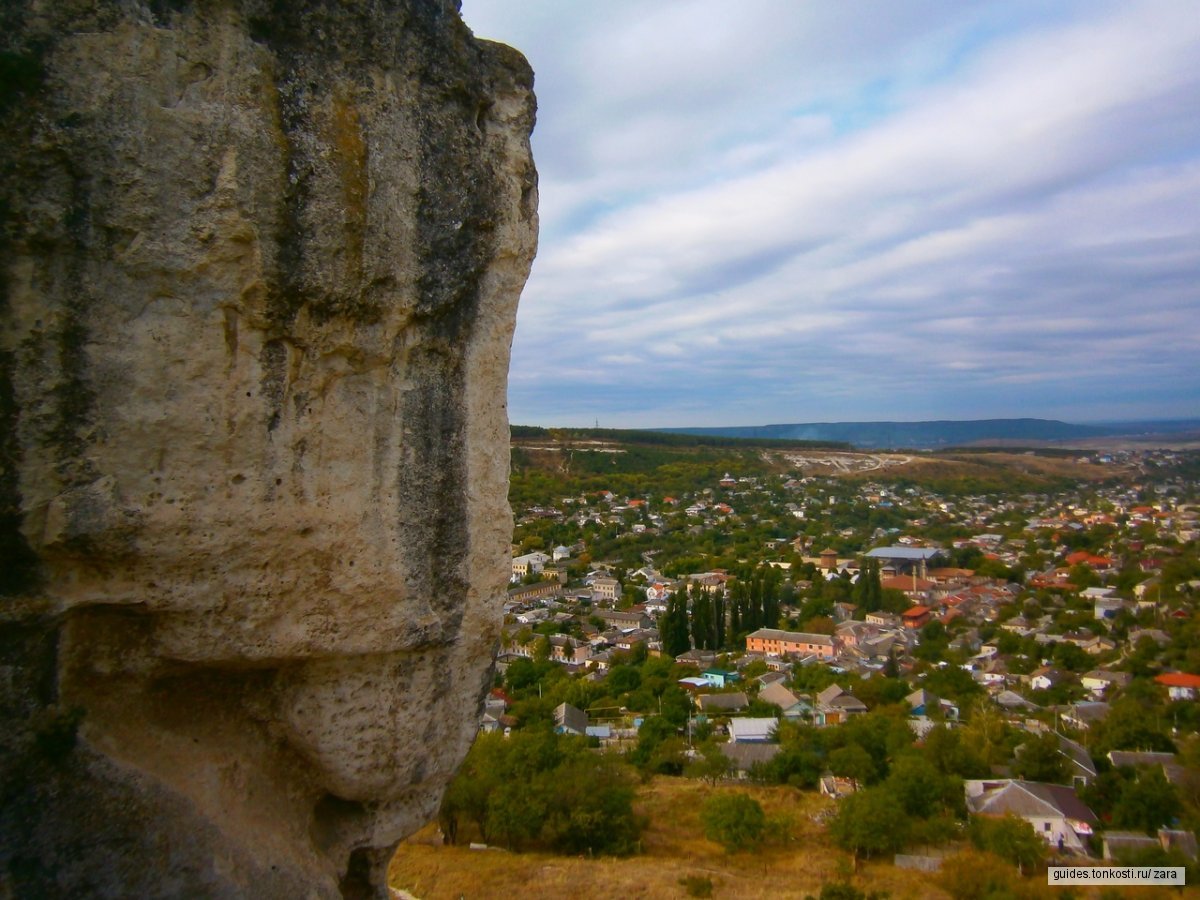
x: 1178, y: 679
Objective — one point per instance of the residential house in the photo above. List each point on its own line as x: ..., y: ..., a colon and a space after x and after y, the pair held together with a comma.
x: 1084, y: 714
x: 745, y: 755
x: 843, y: 611
x: 1082, y: 557
x: 1046, y: 677
x: 1098, y: 644
x: 835, y: 705
x: 495, y: 705
x: 1180, y: 685
x: 1120, y: 846
x: 1157, y: 635
x: 851, y: 633
x: 658, y: 592
x: 884, y: 619
x: 922, y: 703
x: 916, y: 617
x: 720, y: 678
x: 1148, y: 759
x: 565, y: 649
x: 630, y: 640
x: 1099, y: 681
x: 529, y: 563
x: 605, y: 589
x: 570, y: 719
x: 752, y: 730
x: 1011, y: 700
x: 701, y: 659
x: 1138, y: 759
x: 790, y: 705
x: 1018, y: 625
x: 1106, y: 607
x: 533, y: 616
x: 1054, y: 811
x: 766, y: 678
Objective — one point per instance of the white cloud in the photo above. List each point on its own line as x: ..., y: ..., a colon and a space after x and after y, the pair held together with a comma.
x: 976, y: 199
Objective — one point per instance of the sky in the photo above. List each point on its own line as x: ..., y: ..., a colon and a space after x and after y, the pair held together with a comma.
x: 778, y: 211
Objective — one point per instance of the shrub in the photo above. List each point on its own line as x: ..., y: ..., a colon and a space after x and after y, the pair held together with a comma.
x: 735, y: 821
x: 978, y: 876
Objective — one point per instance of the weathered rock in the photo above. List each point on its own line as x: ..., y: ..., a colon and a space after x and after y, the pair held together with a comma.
x: 259, y: 268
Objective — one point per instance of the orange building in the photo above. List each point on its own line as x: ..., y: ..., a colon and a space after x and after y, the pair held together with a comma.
x: 775, y: 642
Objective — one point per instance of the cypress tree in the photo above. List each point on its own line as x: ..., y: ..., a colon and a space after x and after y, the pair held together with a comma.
x: 701, y: 618
x: 673, y: 626
x: 735, y: 611
x: 754, y: 617
x: 771, y: 598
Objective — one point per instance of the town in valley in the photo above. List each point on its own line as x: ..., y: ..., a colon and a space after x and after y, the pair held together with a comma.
x: 974, y: 655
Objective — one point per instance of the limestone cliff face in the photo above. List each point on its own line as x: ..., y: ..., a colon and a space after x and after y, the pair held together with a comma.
x: 259, y: 268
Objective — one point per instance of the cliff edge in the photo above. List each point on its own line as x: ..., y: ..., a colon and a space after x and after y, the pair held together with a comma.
x: 259, y: 269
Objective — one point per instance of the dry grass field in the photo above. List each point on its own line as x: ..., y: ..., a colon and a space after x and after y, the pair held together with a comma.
x: 674, y: 847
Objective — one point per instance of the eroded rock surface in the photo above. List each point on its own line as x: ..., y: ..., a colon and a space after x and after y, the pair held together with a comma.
x: 259, y: 268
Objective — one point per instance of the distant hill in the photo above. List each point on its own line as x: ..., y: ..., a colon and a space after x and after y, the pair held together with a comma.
x: 946, y: 433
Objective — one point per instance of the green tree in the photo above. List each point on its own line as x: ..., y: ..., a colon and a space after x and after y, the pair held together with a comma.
x: 853, y: 762
x: 737, y: 601
x: 673, y: 625
x: 1148, y: 803
x: 735, y: 821
x: 1134, y: 722
x: 1071, y: 657
x: 1039, y: 759
x: 703, y: 628
x: 869, y: 823
x: 945, y: 749
x: 591, y: 808
x: 712, y: 765
x: 1011, y: 838
x: 868, y: 589
x: 623, y: 679
x: 514, y: 815
x: 986, y: 735
x: 675, y: 705
x: 921, y: 790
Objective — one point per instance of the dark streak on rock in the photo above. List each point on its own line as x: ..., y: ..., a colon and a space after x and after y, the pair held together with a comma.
x: 20, y: 571
x: 274, y: 380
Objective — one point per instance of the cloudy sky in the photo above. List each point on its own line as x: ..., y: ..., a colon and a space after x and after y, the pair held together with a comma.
x: 786, y: 211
